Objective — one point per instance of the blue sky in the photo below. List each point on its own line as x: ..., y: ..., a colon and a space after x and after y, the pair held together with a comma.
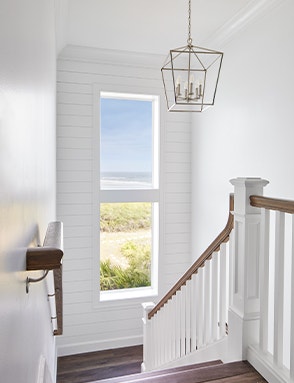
x: 126, y: 135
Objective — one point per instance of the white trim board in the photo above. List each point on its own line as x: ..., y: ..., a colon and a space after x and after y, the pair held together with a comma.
x: 79, y: 348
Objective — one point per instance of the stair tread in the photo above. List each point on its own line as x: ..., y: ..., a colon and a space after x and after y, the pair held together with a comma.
x: 167, y: 371
x: 229, y: 372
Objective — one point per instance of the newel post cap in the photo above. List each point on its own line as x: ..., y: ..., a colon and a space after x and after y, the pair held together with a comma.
x: 244, y: 187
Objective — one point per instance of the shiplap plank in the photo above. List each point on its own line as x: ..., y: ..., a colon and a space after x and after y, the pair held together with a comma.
x: 178, y: 177
x: 101, y: 316
x: 69, y: 287
x: 74, y: 109
x: 74, y: 198
x: 177, y: 268
x: 78, y: 253
x: 73, y: 209
x: 103, y: 337
x: 177, y: 248
x: 77, y: 220
x: 177, y: 198
x: 73, y: 132
x: 74, y: 143
x: 180, y: 157
x: 77, y: 275
x: 74, y: 187
x: 75, y: 98
x: 76, y: 308
x: 63, y: 87
x: 88, y: 68
x: 77, y: 297
x: 102, y: 327
x: 78, y: 243
x: 74, y: 154
x: 72, y: 121
x: 173, y: 259
x: 77, y: 231
x: 99, y: 63
x: 179, y: 187
x: 177, y: 168
x: 178, y: 227
x: 177, y: 238
x: 178, y: 218
x: 174, y: 147
x: 105, y: 79
x: 74, y: 176
x: 178, y: 137
x: 177, y: 207
x: 66, y: 164
x: 82, y: 263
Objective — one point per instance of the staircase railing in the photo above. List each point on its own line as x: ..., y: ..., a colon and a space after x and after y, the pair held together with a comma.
x: 189, y: 323
x: 193, y: 314
x: 273, y: 353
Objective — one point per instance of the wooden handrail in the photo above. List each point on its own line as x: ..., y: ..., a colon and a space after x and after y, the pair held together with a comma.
x: 49, y: 257
x: 283, y: 205
x: 214, y: 246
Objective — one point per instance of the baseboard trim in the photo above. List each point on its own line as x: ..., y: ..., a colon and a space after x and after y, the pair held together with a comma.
x: 80, y: 348
x: 263, y: 363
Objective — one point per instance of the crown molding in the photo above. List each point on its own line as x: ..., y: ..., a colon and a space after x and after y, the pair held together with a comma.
x: 109, y: 56
x: 251, y: 12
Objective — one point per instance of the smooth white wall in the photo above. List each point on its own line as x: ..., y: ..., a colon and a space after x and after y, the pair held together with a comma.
x: 249, y: 132
x: 88, y: 324
x: 27, y: 182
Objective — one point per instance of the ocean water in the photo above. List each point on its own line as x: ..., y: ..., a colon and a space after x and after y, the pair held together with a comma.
x: 125, y: 180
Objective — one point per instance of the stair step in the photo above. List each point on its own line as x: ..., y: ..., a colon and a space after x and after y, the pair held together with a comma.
x: 230, y: 373
x: 168, y: 371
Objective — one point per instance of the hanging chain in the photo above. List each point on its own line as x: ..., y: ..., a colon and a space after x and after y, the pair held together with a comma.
x: 189, y: 41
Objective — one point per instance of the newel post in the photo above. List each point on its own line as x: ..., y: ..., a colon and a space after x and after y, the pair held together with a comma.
x: 244, y: 309
x: 147, y: 336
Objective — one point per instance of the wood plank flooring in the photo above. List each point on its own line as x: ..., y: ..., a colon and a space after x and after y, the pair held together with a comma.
x: 124, y: 365
x: 236, y: 372
x: 88, y: 367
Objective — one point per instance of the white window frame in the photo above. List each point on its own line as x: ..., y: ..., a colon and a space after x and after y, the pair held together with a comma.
x: 151, y: 195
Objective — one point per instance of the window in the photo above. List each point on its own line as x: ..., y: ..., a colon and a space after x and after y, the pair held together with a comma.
x: 129, y: 195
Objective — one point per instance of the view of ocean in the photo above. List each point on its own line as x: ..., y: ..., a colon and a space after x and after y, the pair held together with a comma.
x: 126, y: 180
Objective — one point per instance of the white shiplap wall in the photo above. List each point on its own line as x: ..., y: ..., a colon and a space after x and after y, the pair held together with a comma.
x: 90, y: 325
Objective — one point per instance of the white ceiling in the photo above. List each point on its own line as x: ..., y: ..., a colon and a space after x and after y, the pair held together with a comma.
x: 150, y: 26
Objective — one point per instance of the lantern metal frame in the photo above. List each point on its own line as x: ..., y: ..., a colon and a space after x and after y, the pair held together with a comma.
x: 190, y: 62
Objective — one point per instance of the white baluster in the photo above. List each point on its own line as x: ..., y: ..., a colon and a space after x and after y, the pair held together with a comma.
x: 193, y: 311
x: 162, y: 336
x: 158, y: 338
x: 173, y: 313
x: 279, y: 288
x: 223, y: 301
x: 200, y: 308
x: 264, y: 279
x: 178, y: 326
x: 214, y: 295
x: 188, y: 316
x: 207, y: 302
x: 292, y: 309
x: 183, y: 320
x: 169, y: 330
x: 155, y: 341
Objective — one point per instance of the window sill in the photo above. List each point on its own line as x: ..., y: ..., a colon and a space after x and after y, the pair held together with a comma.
x: 140, y: 292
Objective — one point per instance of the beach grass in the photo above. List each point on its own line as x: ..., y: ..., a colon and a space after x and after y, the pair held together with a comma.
x: 125, y: 245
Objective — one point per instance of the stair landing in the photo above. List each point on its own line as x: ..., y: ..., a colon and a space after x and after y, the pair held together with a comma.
x: 212, y: 372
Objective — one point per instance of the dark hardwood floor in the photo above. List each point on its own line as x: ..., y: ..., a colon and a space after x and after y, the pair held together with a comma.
x: 88, y: 367
x: 119, y: 364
